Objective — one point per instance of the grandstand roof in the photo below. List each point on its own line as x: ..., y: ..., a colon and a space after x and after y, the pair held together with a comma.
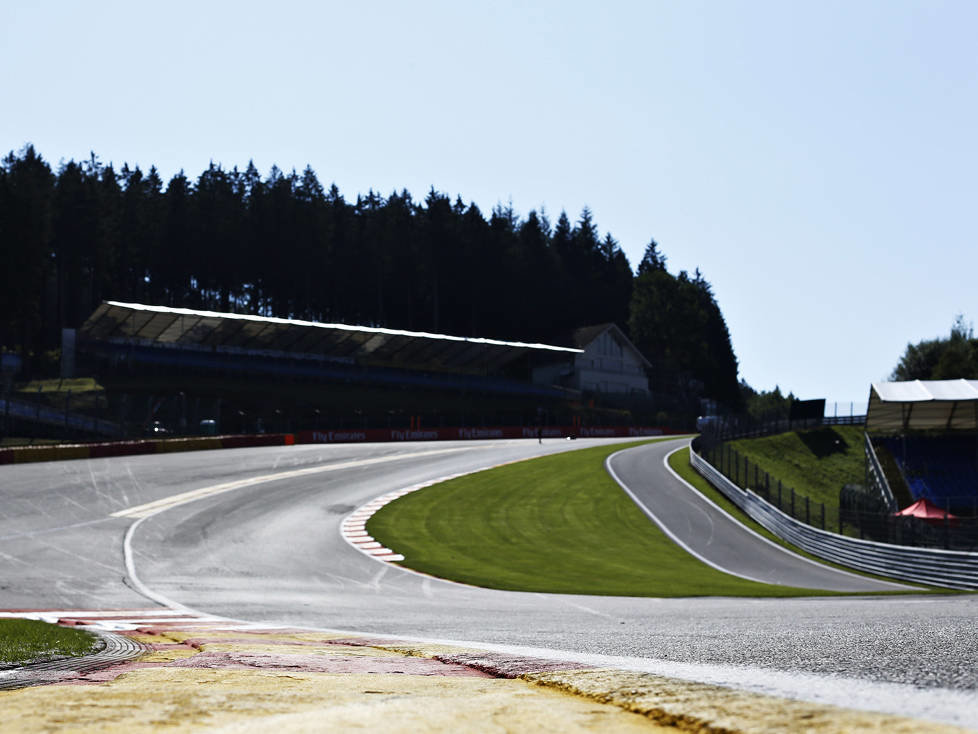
x: 942, y: 405
x: 164, y: 326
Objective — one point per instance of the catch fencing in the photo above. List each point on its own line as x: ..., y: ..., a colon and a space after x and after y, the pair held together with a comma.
x: 63, y: 418
x: 910, y: 553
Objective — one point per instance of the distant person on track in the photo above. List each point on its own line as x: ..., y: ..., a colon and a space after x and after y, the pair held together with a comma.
x: 540, y: 434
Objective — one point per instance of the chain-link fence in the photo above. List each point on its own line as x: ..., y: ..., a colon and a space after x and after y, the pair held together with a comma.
x: 856, y: 517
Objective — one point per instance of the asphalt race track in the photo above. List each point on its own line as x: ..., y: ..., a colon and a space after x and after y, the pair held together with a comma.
x: 715, y: 537
x: 271, y: 551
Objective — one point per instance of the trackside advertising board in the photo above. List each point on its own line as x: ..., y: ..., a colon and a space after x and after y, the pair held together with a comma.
x: 372, y: 435
x: 60, y: 452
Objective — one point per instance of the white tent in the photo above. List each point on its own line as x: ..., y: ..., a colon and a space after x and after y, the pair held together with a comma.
x: 943, y: 405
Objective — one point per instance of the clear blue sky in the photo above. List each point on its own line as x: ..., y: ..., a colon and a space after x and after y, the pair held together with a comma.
x: 816, y: 160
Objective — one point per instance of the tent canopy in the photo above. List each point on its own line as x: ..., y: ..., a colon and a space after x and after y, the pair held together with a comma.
x: 942, y: 405
x: 924, y: 509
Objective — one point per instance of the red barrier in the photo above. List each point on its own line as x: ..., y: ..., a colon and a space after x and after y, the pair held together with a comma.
x: 263, y: 439
x: 380, y: 435
x: 23, y: 454
x: 19, y: 454
x: 121, y: 448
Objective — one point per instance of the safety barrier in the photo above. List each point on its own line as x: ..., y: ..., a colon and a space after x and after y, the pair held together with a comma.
x: 23, y: 454
x: 60, y: 452
x: 932, y: 566
x: 369, y: 435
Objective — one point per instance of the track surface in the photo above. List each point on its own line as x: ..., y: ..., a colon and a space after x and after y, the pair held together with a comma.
x: 715, y: 537
x: 273, y: 552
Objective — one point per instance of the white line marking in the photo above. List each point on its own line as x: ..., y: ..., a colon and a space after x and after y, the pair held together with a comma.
x: 770, y: 542
x: 88, y: 614
x: 662, y: 526
x: 150, y: 508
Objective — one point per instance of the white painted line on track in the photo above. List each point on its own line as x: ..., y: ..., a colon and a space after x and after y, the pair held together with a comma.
x: 150, y: 508
x: 770, y: 542
x: 145, y: 511
x: 127, y: 620
x: 87, y: 613
x: 652, y: 516
x: 662, y: 526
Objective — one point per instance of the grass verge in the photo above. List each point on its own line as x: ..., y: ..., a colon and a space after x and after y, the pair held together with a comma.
x: 28, y: 640
x: 555, y: 524
x: 60, y: 385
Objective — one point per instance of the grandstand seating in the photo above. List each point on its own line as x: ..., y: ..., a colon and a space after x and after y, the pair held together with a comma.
x: 942, y: 469
x: 251, y: 364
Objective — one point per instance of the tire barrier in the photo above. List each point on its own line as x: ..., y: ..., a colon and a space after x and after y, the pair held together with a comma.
x: 930, y: 566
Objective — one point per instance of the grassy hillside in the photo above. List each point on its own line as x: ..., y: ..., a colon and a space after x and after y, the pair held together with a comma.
x: 815, y: 462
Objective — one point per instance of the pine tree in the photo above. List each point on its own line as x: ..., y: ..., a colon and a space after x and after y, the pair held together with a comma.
x: 26, y: 254
x: 173, y: 268
x: 652, y: 259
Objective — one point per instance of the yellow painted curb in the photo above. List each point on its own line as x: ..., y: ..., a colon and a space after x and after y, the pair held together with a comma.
x: 26, y: 454
x: 286, y: 649
x: 190, y: 700
x: 700, y: 707
x: 532, y: 697
x: 167, y: 656
x: 187, y: 444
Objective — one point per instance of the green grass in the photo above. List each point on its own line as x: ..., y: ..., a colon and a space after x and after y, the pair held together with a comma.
x: 27, y: 640
x: 817, y: 462
x: 19, y: 441
x: 61, y: 385
x: 555, y: 524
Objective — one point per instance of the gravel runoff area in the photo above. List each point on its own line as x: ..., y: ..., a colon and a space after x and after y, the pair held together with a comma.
x: 183, y: 672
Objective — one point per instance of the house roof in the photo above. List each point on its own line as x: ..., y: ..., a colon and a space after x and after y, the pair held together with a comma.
x: 586, y: 335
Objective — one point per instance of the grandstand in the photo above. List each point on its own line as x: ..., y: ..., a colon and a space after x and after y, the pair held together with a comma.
x: 930, y: 431
x: 204, y: 339
x: 251, y: 373
x: 939, y: 469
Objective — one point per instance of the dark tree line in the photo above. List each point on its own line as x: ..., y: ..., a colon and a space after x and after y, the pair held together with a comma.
x: 950, y: 358
x: 676, y: 322
x: 286, y: 246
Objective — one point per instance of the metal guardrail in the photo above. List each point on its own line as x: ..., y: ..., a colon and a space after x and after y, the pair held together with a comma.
x: 876, y: 476
x: 732, y: 428
x: 932, y: 566
x: 844, y: 420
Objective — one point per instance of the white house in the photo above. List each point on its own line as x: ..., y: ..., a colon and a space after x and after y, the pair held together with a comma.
x: 610, y: 364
